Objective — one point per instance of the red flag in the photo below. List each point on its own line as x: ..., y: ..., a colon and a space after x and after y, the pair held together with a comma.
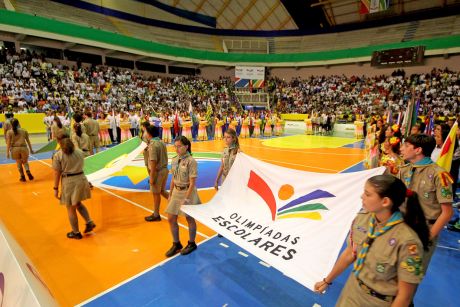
x: 176, y: 124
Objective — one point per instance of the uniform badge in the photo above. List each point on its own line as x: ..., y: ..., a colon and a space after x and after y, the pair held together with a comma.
x: 392, y: 242
x: 412, y: 249
x: 380, y: 268
x: 361, y: 229
x: 426, y: 194
x: 446, y: 193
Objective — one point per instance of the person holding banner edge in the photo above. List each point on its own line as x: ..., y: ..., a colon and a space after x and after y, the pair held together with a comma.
x: 386, y: 248
x: 182, y: 191
x: 158, y: 170
x: 68, y: 170
x: 228, y: 156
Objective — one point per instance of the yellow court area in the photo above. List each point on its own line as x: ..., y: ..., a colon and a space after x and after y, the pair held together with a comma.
x: 123, y: 244
x: 307, y: 142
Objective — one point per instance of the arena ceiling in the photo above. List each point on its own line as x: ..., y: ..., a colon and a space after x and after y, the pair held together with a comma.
x: 305, y: 14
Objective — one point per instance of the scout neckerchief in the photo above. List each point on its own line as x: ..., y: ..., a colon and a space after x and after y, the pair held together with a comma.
x: 395, y: 219
x: 422, y: 162
x: 180, y: 159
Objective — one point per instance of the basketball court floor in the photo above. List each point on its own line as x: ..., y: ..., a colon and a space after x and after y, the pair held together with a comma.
x: 123, y: 264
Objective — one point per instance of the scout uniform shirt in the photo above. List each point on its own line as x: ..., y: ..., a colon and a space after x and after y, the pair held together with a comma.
x: 81, y: 142
x: 183, y: 169
x: 92, y: 127
x: 157, y: 152
x: 427, y: 179
x: 393, y: 256
x: 228, y: 157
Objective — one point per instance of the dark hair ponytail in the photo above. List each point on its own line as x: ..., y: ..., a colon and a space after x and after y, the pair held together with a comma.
x: 415, y: 218
x: 58, y: 122
x: 184, y: 141
x: 78, y: 130
x: 393, y: 188
x: 15, y: 125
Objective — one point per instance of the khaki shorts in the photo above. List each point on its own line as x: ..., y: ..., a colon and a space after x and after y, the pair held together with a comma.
x: 160, y: 181
x: 177, y: 198
x: 20, y: 153
x: 93, y: 142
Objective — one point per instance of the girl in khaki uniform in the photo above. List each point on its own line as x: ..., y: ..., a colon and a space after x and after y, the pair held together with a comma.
x: 16, y: 140
x: 386, y: 248
x: 68, y: 169
x: 81, y: 140
x: 182, y: 192
x: 228, y: 156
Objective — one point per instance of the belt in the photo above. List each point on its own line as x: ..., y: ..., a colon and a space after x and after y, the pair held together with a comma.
x: 181, y: 188
x: 371, y: 292
x: 70, y: 175
x: 85, y: 149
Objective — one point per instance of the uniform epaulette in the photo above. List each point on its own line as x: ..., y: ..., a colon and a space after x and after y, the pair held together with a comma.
x: 363, y: 211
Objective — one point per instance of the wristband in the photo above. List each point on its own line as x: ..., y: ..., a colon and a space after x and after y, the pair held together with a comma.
x: 328, y: 283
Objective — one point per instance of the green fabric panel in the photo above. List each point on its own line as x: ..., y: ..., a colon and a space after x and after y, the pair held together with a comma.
x: 63, y: 28
x: 100, y: 160
x: 52, y: 145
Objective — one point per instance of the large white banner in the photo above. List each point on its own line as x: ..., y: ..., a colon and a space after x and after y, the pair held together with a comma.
x: 249, y: 72
x: 294, y: 220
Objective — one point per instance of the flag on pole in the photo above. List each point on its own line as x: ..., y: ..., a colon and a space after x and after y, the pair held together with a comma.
x: 447, y: 149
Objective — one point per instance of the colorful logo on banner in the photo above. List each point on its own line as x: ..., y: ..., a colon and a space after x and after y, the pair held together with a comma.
x: 297, y: 208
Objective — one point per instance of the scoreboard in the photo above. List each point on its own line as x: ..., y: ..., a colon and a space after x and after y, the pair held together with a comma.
x: 398, y: 57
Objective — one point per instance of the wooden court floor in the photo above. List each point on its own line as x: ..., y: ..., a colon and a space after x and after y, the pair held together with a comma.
x: 123, y: 244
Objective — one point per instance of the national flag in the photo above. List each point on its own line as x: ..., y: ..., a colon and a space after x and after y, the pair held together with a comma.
x: 429, y: 130
x: 447, y: 149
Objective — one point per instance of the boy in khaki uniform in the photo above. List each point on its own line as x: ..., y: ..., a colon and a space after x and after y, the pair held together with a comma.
x: 92, y: 130
x: 158, y: 166
x: 431, y: 183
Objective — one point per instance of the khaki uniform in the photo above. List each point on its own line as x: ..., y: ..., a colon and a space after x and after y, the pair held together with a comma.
x: 158, y: 152
x: 395, y: 255
x: 228, y: 157
x: 92, y: 129
x: 74, y: 189
x: 7, y: 127
x: 18, y: 145
x: 146, y: 153
x: 55, y: 130
x: 81, y: 142
x: 426, y: 182
x: 182, y: 170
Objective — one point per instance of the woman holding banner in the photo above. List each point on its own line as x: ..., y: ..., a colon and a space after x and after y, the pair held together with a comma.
x: 385, y: 246
x: 17, y: 140
x: 183, y: 191
x: 68, y: 169
x: 228, y: 156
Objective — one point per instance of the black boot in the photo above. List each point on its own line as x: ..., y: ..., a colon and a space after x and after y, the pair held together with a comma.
x: 174, y: 249
x: 23, y: 178
x: 89, y: 227
x: 29, y: 174
x: 191, y: 246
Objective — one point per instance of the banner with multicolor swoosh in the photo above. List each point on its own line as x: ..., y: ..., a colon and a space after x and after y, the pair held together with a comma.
x: 294, y: 220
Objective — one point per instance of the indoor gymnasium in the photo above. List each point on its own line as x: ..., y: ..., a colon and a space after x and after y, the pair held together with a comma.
x: 302, y: 153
